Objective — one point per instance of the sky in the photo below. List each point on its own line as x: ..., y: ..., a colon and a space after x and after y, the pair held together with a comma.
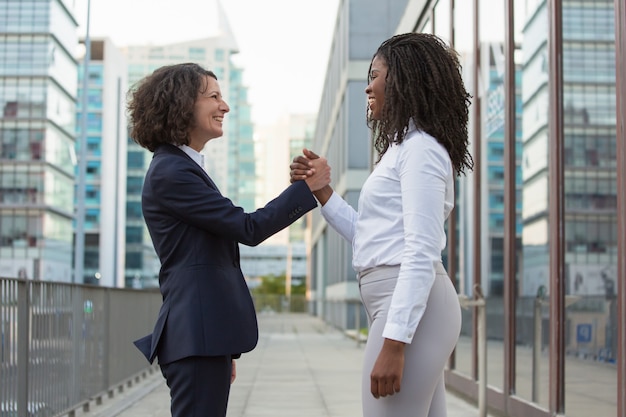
x: 284, y: 44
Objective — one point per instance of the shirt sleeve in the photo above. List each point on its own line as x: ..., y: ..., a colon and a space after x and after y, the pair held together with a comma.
x: 423, y: 167
x: 340, y: 215
x: 180, y: 193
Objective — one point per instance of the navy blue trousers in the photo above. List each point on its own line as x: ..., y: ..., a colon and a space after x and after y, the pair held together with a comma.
x: 199, y: 385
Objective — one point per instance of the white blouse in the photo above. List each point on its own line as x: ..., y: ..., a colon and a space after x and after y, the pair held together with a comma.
x: 400, y: 221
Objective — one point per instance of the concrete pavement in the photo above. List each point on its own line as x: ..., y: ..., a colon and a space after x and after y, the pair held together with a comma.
x: 301, y: 367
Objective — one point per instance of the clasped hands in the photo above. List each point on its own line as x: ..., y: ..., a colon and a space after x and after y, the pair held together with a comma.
x: 311, y: 168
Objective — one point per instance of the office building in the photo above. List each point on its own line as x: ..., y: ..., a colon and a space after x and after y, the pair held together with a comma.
x: 38, y: 85
x: 105, y: 174
x: 545, y: 128
x: 491, y: 260
x: 229, y: 159
x: 589, y: 149
x: 284, y: 253
x: 341, y: 135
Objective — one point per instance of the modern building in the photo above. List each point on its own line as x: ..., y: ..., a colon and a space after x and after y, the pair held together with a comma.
x: 105, y: 174
x: 590, y: 206
x: 284, y: 253
x: 558, y: 178
x: 229, y: 159
x: 302, y: 128
x: 276, y: 260
x: 38, y: 85
x: 491, y: 259
x: 342, y: 136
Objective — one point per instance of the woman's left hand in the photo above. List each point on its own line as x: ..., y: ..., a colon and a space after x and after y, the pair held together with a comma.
x: 233, y: 372
x: 386, y: 376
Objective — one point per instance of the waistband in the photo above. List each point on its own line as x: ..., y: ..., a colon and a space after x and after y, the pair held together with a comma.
x: 380, y: 272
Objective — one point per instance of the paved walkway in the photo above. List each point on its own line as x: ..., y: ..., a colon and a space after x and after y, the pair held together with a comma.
x: 301, y: 367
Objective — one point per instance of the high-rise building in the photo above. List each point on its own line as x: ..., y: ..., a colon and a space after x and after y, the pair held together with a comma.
x: 229, y: 159
x: 491, y: 259
x: 561, y: 261
x: 105, y: 176
x: 241, y: 177
x: 341, y: 134
x: 275, y: 146
x: 589, y: 149
x: 38, y: 85
x: 302, y: 128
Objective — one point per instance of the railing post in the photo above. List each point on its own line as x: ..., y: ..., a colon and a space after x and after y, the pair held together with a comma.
x: 540, y: 301
x: 78, y: 344
x: 358, y: 323
x: 537, y: 342
x: 23, y: 330
x: 482, y: 357
x: 479, y: 303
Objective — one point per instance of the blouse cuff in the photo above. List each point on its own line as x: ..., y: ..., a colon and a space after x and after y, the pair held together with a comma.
x: 331, y: 207
x: 400, y: 333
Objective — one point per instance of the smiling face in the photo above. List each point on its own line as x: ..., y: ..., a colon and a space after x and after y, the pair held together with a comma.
x: 375, y: 90
x: 208, y: 115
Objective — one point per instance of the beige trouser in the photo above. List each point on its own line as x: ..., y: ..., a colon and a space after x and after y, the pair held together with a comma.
x: 422, y: 391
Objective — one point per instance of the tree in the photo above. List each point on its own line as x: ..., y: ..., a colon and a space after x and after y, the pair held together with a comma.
x: 275, y: 285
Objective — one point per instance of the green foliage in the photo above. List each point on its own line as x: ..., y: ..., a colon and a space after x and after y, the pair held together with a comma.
x: 271, y: 284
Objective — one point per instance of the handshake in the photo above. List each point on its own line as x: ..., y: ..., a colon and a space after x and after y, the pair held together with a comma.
x: 311, y: 168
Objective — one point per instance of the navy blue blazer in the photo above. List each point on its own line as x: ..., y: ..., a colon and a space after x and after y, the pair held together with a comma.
x: 207, y: 308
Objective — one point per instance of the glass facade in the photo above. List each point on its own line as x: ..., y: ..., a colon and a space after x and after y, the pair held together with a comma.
x: 538, y: 232
x: 101, y: 107
x: 229, y: 160
x: 93, y: 168
x: 550, y: 276
x: 241, y: 184
x: 37, y: 133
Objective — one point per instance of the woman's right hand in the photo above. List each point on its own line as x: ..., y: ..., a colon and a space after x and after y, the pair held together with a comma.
x: 320, y: 175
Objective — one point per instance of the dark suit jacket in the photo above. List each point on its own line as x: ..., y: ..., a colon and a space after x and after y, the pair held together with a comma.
x: 207, y: 308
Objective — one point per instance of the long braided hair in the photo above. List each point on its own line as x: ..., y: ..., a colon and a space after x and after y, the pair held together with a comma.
x: 423, y: 84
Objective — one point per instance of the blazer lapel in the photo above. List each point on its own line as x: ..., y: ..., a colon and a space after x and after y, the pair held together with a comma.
x: 206, y: 174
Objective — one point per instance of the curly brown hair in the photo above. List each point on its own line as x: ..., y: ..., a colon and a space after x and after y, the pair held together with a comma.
x: 423, y: 84
x: 161, y: 104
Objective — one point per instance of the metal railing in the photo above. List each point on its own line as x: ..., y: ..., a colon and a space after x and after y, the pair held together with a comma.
x: 62, y: 344
x: 481, y: 335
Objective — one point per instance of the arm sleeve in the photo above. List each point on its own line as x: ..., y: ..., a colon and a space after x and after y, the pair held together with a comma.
x: 184, y: 194
x: 423, y: 167
x: 340, y: 215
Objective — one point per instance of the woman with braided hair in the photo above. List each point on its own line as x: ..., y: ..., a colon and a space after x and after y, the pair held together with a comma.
x: 418, y: 113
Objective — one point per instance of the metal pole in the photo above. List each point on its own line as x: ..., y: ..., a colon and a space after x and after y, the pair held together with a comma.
x: 620, y: 89
x: 358, y: 323
x: 477, y: 188
x: 510, y: 206
x: 556, y: 209
x: 79, y: 248
x: 23, y: 326
x: 288, y: 276
x: 482, y: 358
x: 479, y: 305
x: 536, y: 349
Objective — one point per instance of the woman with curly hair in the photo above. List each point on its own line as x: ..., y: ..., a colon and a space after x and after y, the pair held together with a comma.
x: 418, y: 113
x: 207, y: 318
